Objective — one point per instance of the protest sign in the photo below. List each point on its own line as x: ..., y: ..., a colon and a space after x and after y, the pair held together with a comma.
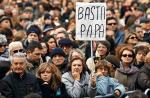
x: 90, y: 21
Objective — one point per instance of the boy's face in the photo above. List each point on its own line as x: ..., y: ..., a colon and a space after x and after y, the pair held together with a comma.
x: 33, y: 37
x: 102, y: 71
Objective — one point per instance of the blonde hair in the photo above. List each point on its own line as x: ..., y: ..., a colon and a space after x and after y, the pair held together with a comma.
x: 13, y: 45
x: 103, y: 64
x: 56, y: 75
x: 78, y: 51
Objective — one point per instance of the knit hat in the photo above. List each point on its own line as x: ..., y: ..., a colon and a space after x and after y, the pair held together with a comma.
x: 65, y: 42
x: 5, y: 17
x: 28, y: 4
x: 47, y: 28
x: 28, y: 9
x: 57, y: 51
x: 34, y: 29
x: 47, y: 16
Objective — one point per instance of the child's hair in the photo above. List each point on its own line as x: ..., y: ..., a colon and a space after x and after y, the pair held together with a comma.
x: 102, y: 64
x: 56, y: 75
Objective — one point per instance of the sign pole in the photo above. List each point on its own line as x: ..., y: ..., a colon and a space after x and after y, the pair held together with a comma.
x: 91, y: 48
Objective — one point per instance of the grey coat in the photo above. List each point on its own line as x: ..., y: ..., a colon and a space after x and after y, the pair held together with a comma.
x: 127, y: 77
x: 78, y: 89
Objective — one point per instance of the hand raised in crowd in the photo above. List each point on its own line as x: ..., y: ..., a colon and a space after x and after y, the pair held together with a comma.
x: 117, y: 93
x: 99, y: 73
x: 76, y: 75
x: 93, y: 80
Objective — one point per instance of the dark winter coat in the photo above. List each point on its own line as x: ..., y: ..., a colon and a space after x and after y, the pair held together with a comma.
x: 47, y: 92
x: 144, y: 77
x: 5, y: 90
x: 127, y: 77
x: 21, y: 86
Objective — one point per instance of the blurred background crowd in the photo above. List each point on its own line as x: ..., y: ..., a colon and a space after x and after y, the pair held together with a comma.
x: 43, y: 33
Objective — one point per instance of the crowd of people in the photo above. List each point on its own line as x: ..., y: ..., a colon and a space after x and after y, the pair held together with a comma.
x: 41, y: 58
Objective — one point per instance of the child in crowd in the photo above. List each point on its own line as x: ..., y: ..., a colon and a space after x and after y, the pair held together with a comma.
x: 105, y: 84
x: 50, y: 81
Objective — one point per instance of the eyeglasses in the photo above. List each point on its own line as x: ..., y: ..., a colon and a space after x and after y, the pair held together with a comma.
x: 20, y: 50
x: 111, y: 23
x: 3, y: 45
x: 133, y: 37
x: 125, y: 55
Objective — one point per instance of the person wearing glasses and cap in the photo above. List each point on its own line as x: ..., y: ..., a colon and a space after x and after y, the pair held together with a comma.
x: 127, y: 73
x: 3, y: 49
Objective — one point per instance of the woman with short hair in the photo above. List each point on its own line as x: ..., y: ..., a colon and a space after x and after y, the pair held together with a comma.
x: 127, y: 73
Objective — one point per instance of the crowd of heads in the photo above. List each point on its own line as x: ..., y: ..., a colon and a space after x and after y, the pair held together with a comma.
x: 38, y: 36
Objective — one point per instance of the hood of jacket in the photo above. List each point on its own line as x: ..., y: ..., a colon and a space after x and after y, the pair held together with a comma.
x: 130, y: 70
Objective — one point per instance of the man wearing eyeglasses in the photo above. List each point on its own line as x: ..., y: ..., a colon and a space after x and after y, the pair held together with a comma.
x: 112, y: 24
x: 3, y: 49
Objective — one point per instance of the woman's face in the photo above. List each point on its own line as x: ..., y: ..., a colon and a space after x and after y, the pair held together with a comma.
x: 5, y: 24
x: 127, y: 56
x: 140, y: 56
x: 132, y: 39
x: 101, y: 49
x: 51, y: 43
x: 2, y: 48
x: 46, y: 75
x: 33, y: 37
x: 44, y: 51
x: 77, y: 66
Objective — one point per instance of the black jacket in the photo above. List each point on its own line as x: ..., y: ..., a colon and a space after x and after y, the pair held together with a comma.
x: 21, y: 86
x: 47, y: 92
x: 144, y: 77
x: 4, y: 89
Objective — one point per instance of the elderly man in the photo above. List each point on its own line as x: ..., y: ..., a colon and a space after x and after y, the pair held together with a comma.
x: 19, y: 81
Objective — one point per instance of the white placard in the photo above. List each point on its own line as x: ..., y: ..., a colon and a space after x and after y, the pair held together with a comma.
x: 90, y: 21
